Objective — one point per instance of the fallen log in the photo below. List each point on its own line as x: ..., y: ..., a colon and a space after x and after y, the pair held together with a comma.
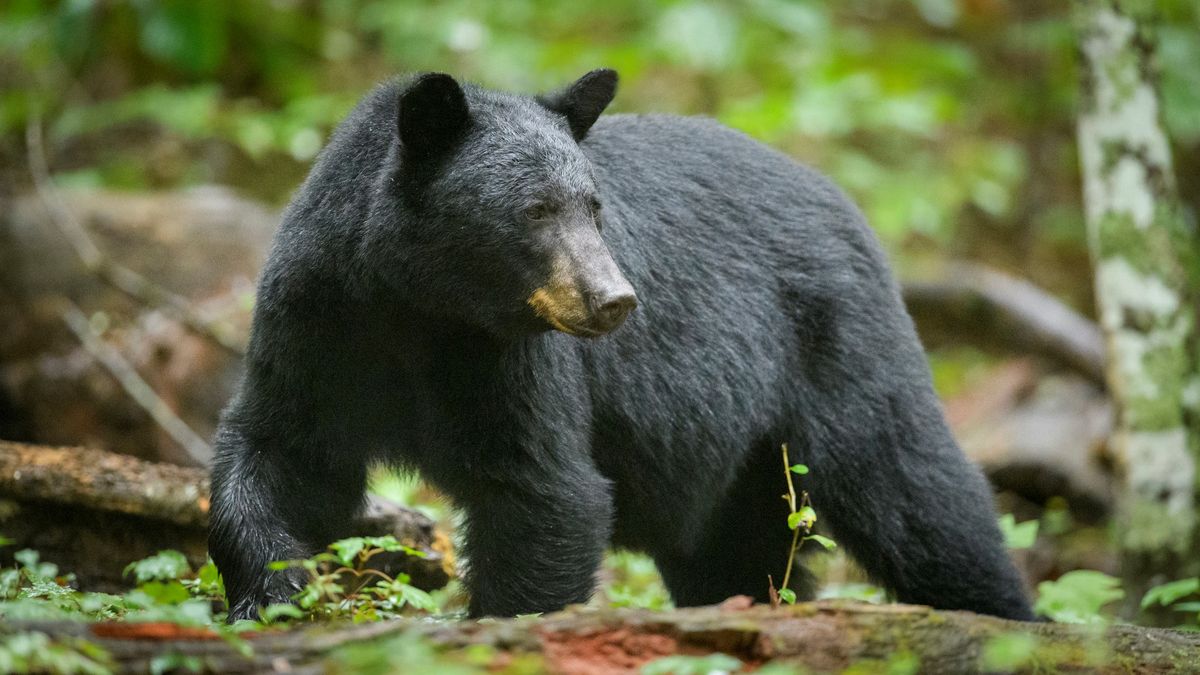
x: 92, y: 512
x: 827, y: 636
x: 1039, y: 435
x: 972, y: 304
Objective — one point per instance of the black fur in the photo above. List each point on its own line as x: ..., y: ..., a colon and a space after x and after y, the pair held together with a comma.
x: 397, y: 321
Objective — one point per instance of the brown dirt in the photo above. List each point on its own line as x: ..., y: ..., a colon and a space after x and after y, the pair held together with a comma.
x: 151, y: 631
x: 605, y: 651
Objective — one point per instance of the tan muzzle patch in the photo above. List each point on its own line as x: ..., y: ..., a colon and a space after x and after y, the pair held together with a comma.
x: 561, y: 305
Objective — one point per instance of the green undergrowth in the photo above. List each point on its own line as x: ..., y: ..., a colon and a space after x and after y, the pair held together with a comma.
x: 344, y: 585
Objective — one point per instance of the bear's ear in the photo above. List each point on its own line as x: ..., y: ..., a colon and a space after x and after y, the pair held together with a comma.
x: 582, y: 101
x: 431, y: 115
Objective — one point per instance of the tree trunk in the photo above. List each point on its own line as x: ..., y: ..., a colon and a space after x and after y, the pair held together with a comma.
x: 1143, y: 254
x: 810, y: 637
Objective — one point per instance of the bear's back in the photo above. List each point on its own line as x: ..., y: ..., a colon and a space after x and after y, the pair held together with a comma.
x: 715, y: 192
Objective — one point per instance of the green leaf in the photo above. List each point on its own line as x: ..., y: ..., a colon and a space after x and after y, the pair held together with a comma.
x: 348, y: 549
x: 165, y: 592
x: 1168, y: 593
x: 189, y: 36
x: 807, y: 515
x: 10, y: 581
x: 277, y: 611
x: 800, y: 469
x: 208, y: 573
x: 280, y: 565
x: 680, y: 664
x: 699, y: 35
x: 1007, y: 652
x: 787, y: 595
x: 173, y: 662
x: 385, y: 542
x: 804, y: 516
x: 828, y: 543
x: 162, y: 566
x: 1018, y: 536
x: 418, y: 598
x: 26, y: 557
x: 862, y: 592
x: 1078, y: 596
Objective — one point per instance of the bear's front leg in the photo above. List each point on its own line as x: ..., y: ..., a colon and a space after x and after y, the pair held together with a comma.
x: 275, y: 498
x: 535, y: 544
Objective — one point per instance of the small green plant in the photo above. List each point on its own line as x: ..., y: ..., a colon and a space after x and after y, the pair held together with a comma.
x: 408, y: 489
x: 854, y: 590
x: 1170, y: 594
x: 1078, y: 597
x: 801, y: 519
x: 635, y: 582
x: 33, y: 652
x: 1007, y: 652
x: 342, y: 586
x: 167, y: 590
x: 901, y: 662
x: 34, y: 590
x: 408, y: 653
x: 679, y: 664
x: 1018, y: 535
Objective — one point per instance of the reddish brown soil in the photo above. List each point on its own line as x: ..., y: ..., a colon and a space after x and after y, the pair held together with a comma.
x: 605, y: 652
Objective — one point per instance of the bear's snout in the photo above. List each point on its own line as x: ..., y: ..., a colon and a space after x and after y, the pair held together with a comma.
x: 610, y: 309
x: 584, y: 314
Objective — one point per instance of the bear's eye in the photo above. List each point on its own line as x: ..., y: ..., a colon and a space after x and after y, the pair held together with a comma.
x: 594, y: 205
x: 539, y: 211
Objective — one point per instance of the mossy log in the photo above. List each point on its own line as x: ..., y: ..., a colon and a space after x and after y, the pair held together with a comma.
x: 811, y: 637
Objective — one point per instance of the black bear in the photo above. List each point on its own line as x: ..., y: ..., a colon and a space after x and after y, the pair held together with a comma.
x: 589, y: 332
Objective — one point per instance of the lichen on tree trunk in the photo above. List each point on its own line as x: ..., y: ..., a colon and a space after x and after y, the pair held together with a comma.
x: 1141, y: 249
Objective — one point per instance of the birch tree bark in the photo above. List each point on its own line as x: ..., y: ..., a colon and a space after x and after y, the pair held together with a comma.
x: 1144, y: 256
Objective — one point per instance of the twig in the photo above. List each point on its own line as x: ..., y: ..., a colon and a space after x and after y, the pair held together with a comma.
x: 791, y: 499
x: 135, y: 386
x: 94, y: 261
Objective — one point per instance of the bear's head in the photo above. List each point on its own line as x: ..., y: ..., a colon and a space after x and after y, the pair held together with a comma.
x: 500, y: 214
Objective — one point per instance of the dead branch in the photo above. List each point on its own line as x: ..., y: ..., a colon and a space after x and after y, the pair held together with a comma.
x: 96, y: 262
x: 992, y: 310
x: 104, y: 481
x: 133, y: 384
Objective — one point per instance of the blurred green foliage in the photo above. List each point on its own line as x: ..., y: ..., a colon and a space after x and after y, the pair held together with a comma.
x: 950, y: 121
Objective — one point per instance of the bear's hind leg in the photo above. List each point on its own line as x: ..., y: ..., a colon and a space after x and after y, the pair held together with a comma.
x: 889, y: 479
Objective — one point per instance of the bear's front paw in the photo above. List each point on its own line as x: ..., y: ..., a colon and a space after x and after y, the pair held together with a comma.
x: 277, y: 588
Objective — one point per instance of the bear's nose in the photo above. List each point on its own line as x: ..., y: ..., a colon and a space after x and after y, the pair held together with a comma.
x: 610, y: 311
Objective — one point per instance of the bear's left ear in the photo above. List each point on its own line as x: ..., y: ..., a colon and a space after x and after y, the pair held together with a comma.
x: 582, y: 101
x: 431, y: 114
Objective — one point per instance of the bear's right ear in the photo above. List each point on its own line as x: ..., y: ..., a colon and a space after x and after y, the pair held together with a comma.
x: 431, y: 115
x: 583, y: 100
